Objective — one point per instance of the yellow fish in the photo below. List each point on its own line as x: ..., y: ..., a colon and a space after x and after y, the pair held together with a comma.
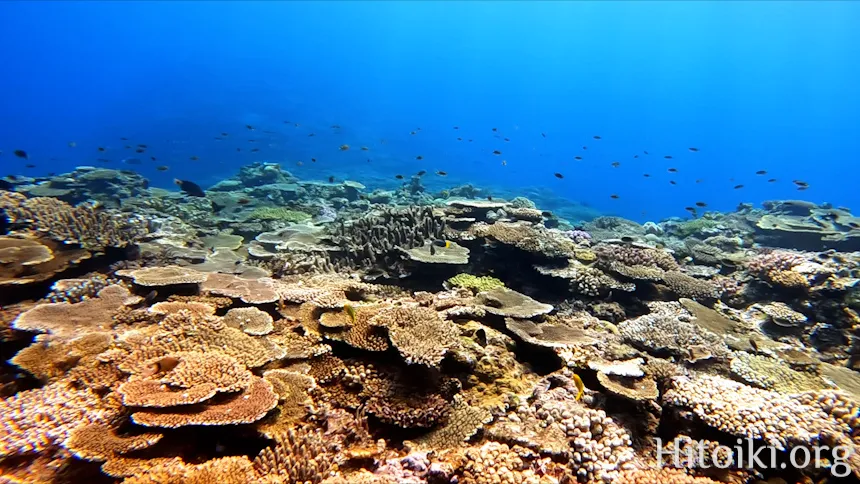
x: 350, y: 311
x: 579, y: 386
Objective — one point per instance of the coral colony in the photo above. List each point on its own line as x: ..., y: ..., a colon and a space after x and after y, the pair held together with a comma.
x: 278, y: 330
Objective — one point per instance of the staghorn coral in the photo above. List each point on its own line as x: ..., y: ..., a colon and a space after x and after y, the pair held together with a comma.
x: 36, y: 420
x: 84, y: 225
x: 299, y: 455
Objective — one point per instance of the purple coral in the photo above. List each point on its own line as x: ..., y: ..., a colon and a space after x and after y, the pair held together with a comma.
x: 578, y: 236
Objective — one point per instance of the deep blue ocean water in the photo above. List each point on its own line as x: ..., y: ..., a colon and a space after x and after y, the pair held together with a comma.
x: 752, y: 85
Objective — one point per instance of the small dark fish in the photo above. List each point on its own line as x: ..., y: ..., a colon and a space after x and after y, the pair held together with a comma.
x: 691, y: 210
x: 673, y: 170
x: 124, y: 139
x: 647, y: 175
x: 399, y: 177
x: 738, y: 187
x: 800, y: 183
x: 701, y: 204
x: 761, y: 172
x: 614, y: 196
x: 456, y: 127
x: 250, y: 127
x: 772, y: 180
x: 672, y: 182
x: 441, y: 173
x: 459, y: 139
x: 21, y: 154
x: 254, y: 150
x: 442, y: 243
x: 635, y: 156
x: 507, y: 139
x: 162, y: 168
x: 490, y: 198
x: 495, y: 129
x: 11, y: 177
x: 693, y: 149
x: 29, y: 165
x: 497, y: 152
x: 224, y: 134
x: 802, y: 188
x: 543, y: 134
x: 585, y: 147
x: 627, y: 239
x: 243, y: 201
x: 238, y: 149
x: 344, y: 147
x: 101, y: 149
x: 470, y: 141
x: 194, y: 158
x: 668, y: 157
x: 152, y: 158
x: 596, y: 137
x: 615, y: 164
x: 547, y: 214
x: 559, y: 175
x: 145, y: 184
x: 190, y: 188
x: 577, y: 158
x: 331, y: 179
x: 432, y: 250
x: 419, y: 157
x: 699, y: 180
x: 753, y: 345
x: 139, y: 150
x: 645, y: 152
x: 364, y: 148
x: 421, y: 173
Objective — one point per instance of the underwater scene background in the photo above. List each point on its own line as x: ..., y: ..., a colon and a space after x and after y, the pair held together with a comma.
x: 429, y: 242
x: 753, y: 85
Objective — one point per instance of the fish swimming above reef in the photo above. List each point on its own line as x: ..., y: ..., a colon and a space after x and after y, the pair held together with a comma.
x: 190, y: 188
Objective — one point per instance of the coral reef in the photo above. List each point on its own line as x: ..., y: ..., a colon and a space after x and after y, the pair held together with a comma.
x: 288, y: 330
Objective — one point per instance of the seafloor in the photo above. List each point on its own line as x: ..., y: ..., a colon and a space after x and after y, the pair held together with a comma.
x: 289, y: 331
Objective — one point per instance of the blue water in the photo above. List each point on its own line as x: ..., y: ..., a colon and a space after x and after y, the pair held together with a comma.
x: 753, y: 85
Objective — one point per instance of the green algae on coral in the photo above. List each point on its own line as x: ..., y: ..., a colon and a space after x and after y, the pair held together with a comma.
x: 475, y: 283
x: 278, y: 214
